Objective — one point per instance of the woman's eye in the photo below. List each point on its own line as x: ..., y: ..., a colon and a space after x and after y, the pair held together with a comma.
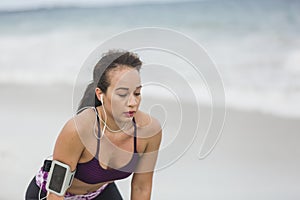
x: 122, y: 95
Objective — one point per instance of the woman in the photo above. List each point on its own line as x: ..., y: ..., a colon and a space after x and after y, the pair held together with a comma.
x: 109, y: 139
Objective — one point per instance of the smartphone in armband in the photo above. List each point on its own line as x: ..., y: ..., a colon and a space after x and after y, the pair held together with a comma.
x: 60, y: 178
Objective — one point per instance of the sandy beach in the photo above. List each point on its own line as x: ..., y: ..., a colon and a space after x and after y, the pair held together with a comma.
x: 256, y: 157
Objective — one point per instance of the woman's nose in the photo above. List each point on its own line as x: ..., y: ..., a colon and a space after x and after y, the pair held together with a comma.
x: 132, y: 101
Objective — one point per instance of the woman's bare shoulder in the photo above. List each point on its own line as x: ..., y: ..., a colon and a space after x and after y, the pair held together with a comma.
x: 147, y: 124
x: 85, y: 119
x: 69, y: 144
x: 149, y: 132
x: 77, y: 126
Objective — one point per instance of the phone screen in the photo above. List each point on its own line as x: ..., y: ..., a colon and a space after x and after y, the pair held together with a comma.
x: 57, y: 179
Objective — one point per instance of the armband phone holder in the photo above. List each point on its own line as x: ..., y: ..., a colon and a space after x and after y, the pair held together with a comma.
x: 60, y: 178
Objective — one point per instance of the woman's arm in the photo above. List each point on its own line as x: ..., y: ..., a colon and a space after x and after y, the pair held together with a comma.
x: 68, y: 149
x: 141, y: 184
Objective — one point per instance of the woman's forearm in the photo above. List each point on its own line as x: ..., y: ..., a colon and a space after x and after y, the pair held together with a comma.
x: 138, y: 193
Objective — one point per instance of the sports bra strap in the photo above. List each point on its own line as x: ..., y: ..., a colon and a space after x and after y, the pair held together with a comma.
x: 134, y: 141
x: 99, y: 134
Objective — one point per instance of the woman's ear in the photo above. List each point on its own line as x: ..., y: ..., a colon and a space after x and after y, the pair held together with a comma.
x: 99, y: 94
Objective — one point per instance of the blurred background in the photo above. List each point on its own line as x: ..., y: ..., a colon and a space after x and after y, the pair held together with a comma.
x: 254, y: 44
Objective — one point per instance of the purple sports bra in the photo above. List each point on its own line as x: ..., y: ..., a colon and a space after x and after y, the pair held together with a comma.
x: 91, y: 172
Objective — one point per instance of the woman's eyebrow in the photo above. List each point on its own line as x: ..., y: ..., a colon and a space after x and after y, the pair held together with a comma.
x: 124, y: 88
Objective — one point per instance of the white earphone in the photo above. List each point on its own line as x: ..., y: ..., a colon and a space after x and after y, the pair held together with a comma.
x: 101, y: 98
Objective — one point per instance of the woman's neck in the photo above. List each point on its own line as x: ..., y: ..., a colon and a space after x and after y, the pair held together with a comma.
x: 111, y: 124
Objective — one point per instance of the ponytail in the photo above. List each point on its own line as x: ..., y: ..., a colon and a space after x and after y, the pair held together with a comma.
x: 89, y: 98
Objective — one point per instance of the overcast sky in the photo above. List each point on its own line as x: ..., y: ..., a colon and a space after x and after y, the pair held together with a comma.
x: 17, y: 4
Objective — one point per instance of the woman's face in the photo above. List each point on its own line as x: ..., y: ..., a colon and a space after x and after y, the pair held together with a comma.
x: 123, y: 96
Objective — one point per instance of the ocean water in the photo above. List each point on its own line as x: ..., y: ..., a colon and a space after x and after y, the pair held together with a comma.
x: 254, y: 44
